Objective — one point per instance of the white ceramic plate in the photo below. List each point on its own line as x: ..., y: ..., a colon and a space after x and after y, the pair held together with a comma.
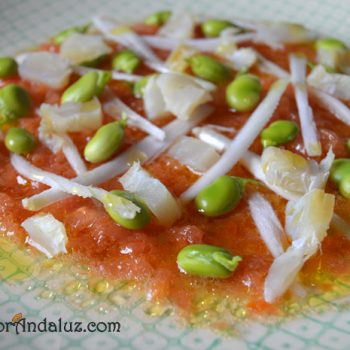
x: 24, y: 23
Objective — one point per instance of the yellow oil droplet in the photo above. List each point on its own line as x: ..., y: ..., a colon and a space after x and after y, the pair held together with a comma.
x: 102, y: 287
x: 241, y: 312
x: 116, y: 299
x: 315, y: 302
x: 203, y: 318
x: 72, y: 287
x: 47, y: 294
x: 320, y: 277
x: 329, y: 296
x: 341, y: 287
x: 127, y: 289
x: 86, y: 268
x: 53, y: 265
x: 221, y: 306
x: 207, y: 302
x: 6, y: 245
x: 292, y: 308
x: 157, y: 309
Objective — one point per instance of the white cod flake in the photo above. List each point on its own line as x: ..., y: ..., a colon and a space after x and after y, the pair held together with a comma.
x: 182, y: 94
x: 70, y: 117
x: 79, y: 48
x: 46, y: 234
x: 45, y: 68
x: 194, y: 153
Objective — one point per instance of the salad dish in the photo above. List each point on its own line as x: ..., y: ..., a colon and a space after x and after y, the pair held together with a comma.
x: 202, y: 159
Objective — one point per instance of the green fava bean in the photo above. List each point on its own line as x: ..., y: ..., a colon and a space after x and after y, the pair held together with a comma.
x: 85, y: 88
x: 103, y: 77
x: 140, y: 85
x: 221, y: 196
x: 158, y: 18
x: 19, y: 141
x: 209, y: 69
x: 62, y: 36
x: 207, y: 261
x: 330, y: 44
x: 142, y: 218
x: 344, y: 186
x: 105, y: 142
x: 126, y: 61
x: 348, y: 145
x: 14, y: 103
x: 8, y: 67
x: 213, y: 27
x: 340, y: 175
x: 279, y: 133
x: 339, y: 170
x: 243, y: 93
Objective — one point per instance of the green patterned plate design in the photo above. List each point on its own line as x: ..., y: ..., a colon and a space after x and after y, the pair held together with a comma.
x: 27, y: 288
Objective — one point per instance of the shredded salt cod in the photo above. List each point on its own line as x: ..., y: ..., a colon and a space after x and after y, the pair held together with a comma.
x: 291, y: 175
x: 116, y: 106
x: 83, y: 48
x: 116, y: 75
x: 180, y: 25
x: 62, y: 142
x: 307, y: 121
x: 307, y: 222
x: 148, y: 149
x: 126, y: 37
x: 124, y: 207
x: 171, y: 92
x: 339, y: 109
x: 72, y: 117
x: 242, y: 141
x: 157, y: 197
x: 194, y: 153
x: 44, y: 67
x: 46, y: 234
x: 335, y: 84
x: 268, y: 224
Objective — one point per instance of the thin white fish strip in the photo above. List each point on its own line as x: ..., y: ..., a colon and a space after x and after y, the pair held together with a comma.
x: 267, y: 222
x: 270, y: 67
x: 339, y: 109
x: 206, y: 45
x: 116, y: 106
x: 72, y: 155
x: 129, y: 39
x: 243, y: 140
x: 116, y: 75
x: 126, y: 208
x: 308, y: 126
